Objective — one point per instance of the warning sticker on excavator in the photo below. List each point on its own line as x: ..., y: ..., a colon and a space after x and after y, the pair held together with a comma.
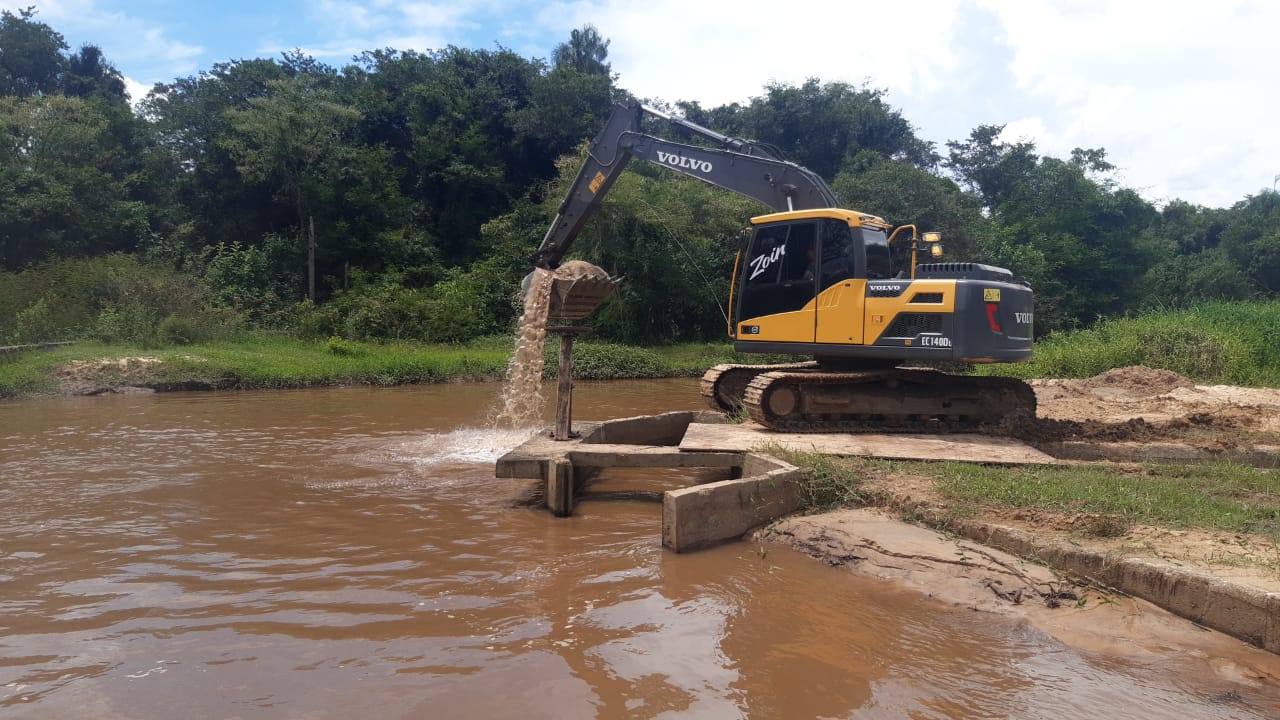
x: 598, y: 180
x: 991, y: 294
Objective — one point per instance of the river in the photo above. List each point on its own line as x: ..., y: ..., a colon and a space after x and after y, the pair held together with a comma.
x: 347, y: 552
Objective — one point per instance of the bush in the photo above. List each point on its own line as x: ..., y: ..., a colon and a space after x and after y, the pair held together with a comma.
x: 342, y: 348
x: 607, y: 361
x: 116, y: 298
x: 1228, y: 342
x: 35, y: 324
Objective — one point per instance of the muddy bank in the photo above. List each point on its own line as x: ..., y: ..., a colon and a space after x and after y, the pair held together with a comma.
x: 964, y: 574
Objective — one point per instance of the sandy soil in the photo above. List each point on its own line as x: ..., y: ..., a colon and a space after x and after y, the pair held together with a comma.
x: 1143, y: 404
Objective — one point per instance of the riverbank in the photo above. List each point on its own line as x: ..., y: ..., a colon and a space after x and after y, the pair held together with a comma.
x: 1201, y: 540
x: 274, y: 362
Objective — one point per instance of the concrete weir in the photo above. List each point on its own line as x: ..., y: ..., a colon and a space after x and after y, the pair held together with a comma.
x: 757, y: 488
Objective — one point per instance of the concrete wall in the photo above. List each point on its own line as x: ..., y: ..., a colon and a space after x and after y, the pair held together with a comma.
x: 704, y: 515
x: 665, y: 429
x: 1243, y: 612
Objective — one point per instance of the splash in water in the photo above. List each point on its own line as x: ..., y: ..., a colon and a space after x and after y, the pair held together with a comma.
x: 522, y: 396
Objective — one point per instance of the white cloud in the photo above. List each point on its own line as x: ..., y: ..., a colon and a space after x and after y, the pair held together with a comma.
x: 137, y: 91
x: 1180, y: 93
x: 125, y: 39
x: 355, y: 26
x: 718, y: 53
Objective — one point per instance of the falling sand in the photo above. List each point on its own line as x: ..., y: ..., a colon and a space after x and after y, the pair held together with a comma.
x: 522, y: 396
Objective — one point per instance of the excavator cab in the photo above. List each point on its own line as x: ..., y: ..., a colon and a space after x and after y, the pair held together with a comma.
x: 803, y: 276
x: 824, y: 282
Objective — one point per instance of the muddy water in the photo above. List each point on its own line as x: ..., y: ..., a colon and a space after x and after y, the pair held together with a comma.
x: 345, y: 553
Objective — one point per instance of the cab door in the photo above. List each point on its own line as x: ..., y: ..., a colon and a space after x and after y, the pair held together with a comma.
x: 841, y: 290
x: 776, y: 300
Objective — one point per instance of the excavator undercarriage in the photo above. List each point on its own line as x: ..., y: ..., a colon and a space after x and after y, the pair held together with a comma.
x: 805, y: 398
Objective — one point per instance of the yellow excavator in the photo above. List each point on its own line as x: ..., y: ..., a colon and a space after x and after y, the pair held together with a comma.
x: 815, y: 280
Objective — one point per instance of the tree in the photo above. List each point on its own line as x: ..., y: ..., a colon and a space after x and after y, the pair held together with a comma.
x: 31, y: 61
x: 585, y: 52
x: 56, y: 175
x: 1252, y: 238
x: 89, y: 75
x: 294, y: 141
x: 208, y: 199
x: 1087, y: 235
x: 290, y: 138
x: 905, y: 194
x: 822, y: 126
x: 989, y: 167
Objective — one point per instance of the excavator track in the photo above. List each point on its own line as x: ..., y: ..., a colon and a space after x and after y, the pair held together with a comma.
x: 724, y: 385
x: 897, y: 400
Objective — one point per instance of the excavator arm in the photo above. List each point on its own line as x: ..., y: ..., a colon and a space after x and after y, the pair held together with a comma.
x: 741, y: 166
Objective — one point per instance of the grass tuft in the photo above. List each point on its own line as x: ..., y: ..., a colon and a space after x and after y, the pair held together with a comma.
x: 829, y: 481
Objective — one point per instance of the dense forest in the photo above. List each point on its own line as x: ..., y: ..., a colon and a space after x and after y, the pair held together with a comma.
x: 425, y: 181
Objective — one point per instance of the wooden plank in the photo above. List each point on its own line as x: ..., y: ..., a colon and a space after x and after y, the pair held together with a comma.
x: 961, y: 447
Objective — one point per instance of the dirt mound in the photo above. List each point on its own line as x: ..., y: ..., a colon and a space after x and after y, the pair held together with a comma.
x: 1142, y: 404
x: 1138, y: 380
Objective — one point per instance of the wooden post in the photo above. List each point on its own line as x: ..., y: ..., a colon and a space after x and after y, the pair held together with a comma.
x: 564, y: 393
x: 311, y: 261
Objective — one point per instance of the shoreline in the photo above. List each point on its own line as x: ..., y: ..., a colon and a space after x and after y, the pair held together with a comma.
x: 962, y: 573
x: 274, y: 363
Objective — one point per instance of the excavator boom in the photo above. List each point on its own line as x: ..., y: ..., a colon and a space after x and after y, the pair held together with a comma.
x: 738, y: 165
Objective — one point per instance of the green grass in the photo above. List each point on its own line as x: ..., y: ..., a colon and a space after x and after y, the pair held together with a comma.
x: 829, y: 482
x: 260, y: 362
x: 272, y: 361
x: 1236, y: 343
x: 1226, y: 497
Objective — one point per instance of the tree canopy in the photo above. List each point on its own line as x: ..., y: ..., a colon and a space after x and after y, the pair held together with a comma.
x: 430, y: 177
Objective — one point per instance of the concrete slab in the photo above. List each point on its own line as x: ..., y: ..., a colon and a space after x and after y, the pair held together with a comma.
x: 962, y: 447
x: 1260, y: 456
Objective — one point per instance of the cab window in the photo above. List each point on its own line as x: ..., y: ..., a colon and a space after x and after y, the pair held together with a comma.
x: 839, y: 253
x: 879, y: 257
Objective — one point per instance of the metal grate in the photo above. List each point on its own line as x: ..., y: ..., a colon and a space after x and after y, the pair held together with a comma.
x: 926, y: 298
x: 909, y: 325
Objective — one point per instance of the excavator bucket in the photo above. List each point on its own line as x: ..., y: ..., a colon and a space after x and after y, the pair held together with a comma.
x: 579, y: 288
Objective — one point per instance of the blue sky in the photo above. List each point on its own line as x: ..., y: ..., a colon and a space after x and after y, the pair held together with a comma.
x: 1181, y: 93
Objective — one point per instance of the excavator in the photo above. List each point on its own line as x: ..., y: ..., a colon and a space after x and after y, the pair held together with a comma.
x: 812, y: 279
